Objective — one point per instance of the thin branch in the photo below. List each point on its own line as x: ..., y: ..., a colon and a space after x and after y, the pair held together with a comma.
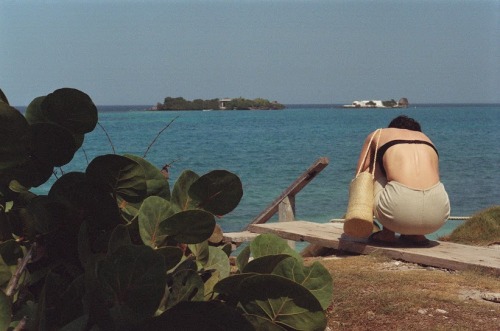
x: 22, y: 325
x: 165, y: 170
x: 21, y: 266
x: 107, y: 135
x: 158, y: 135
x: 85, y: 154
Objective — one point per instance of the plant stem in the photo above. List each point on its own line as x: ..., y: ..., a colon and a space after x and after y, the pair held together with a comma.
x: 158, y: 135
x: 21, y: 266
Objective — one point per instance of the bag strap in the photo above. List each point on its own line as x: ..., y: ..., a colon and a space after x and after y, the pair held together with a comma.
x: 379, y: 131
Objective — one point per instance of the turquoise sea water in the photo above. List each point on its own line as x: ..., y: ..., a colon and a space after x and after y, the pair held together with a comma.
x: 268, y: 150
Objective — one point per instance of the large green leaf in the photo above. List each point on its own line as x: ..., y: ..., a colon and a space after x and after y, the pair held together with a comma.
x: 52, y: 144
x: 180, y: 195
x: 80, y: 323
x: 45, y: 217
x: 243, y: 258
x: 14, y: 137
x: 71, y: 109
x: 5, y: 225
x: 218, y: 192
x: 196, y: 316
x: 35, y: 115
x: 315, y: 278
x: 156, y: 183
x: 11, y: 251
x: 130, y: 211
x: 85, y: 253
x: 261, y: 323
x: 270, y: 244
x: 5, y: 311
x: 119, y: 237
x: 265, y: 264
x: 124, y: 178
x: 173, y: 255
x: 281, y: 301
x: 5, y: 273
x: 201, y: 252
x: 86, y: 201
x: 50, y: 302
x: 189, y: 227
x: 58, y: 226
x: 219, y: 262
x: 71, y: 300
x: 133, y: 281
x: 3, y: 97
x: 31, y: 173
x: 228, y: 288
x: 153, y: 211
x: 29, y: 309
x: 187, y: 285
x: 34, y: 112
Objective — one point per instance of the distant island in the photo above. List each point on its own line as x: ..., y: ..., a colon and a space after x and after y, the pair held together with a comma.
x: 180, y: 103
x: 402, y: 103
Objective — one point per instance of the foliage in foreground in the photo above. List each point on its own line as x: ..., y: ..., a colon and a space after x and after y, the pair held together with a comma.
x: 113, y: 248
x: 483, y: 228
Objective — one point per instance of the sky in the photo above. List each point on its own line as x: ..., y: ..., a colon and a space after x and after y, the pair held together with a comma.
x: 295, y: 52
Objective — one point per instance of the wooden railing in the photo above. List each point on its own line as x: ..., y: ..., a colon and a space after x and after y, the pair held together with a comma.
x: 285, y: 202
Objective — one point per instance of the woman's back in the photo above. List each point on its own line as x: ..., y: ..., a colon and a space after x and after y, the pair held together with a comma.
x: 410, y: 160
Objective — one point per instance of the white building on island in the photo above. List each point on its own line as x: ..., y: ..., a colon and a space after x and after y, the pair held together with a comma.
x: 367, y: 104
x: 403, y: 102
x: 223, y: 103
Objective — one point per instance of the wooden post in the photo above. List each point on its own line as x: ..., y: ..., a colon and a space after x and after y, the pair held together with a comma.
x: 286, y: 213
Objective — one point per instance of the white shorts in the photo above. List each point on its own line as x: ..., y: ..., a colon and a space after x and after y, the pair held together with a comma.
x: 410, y: 211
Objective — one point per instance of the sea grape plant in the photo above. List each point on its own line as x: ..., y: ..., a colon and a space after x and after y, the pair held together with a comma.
x: 113, y: 248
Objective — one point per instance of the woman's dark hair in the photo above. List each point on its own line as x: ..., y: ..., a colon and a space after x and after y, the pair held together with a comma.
x: 405, y: 122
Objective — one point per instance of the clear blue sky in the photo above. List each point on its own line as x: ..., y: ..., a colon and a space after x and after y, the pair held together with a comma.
x: 139, y: 52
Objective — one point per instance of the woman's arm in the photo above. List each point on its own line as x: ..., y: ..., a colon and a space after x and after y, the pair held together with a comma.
x: 366, y: 164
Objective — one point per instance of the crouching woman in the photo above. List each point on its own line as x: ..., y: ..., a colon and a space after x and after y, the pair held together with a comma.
x: 409, y: 197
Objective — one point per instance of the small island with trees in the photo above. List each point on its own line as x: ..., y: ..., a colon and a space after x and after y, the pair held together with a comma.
x: 240, y: 103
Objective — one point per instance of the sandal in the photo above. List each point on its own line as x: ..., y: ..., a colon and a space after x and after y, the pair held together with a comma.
x: 411, y: 239
x: 374, y: 240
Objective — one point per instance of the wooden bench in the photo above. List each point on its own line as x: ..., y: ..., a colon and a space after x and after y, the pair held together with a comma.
x: 438, y: 254
x: 331, y: 235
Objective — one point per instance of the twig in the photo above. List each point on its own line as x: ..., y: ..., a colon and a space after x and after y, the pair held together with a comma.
x: 158, y: 135
x: 22, y: 324
x: 109, y: 139
x: 165, y: 168
x: 21, y: 266
x: 54, y: 172
x: 85, y: 154
x: 168, y: 165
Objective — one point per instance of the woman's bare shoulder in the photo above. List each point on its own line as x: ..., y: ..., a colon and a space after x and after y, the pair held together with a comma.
x: 389, y: 134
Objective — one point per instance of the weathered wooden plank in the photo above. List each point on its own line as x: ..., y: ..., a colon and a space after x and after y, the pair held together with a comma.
x: 316, y: 233
x: 291, y: 190
x: 438, y: 254
x: 239, y: 237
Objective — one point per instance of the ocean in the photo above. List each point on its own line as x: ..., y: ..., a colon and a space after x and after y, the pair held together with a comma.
x: 268, y: 150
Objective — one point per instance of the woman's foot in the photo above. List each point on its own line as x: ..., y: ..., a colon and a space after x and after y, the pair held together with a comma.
x: 383, y: 237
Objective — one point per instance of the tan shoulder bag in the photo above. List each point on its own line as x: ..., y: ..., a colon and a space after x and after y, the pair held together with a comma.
x: 359, y: 217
